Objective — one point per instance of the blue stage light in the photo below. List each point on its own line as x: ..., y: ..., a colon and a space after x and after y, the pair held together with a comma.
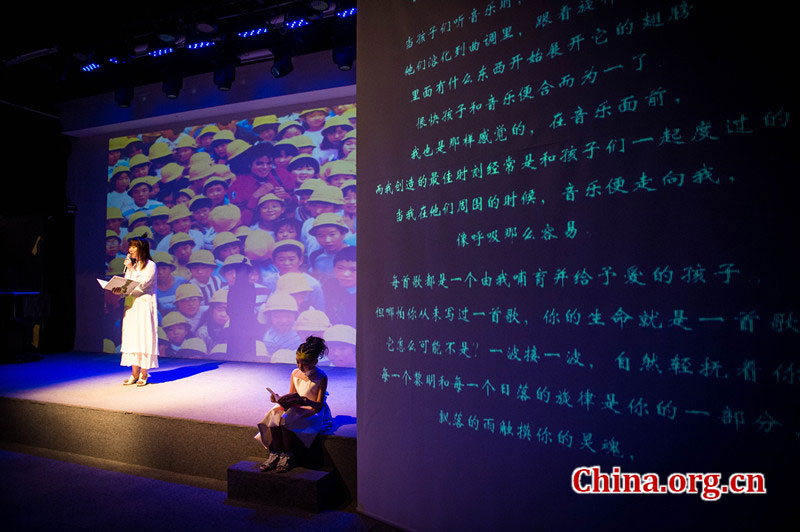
x: 114, y: 60
x: 346, y: 13
x: 160, y: 52
x: 198, y: 45
x: 90, y: 67
x: 299, y: 23
x: 252, y: 33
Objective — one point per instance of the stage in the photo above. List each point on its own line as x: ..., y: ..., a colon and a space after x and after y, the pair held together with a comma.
x: 201, y: 390
x: 196, y: 417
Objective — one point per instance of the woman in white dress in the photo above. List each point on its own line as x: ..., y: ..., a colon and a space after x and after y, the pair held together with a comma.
x: 303, y: 411
x: 140, y: 322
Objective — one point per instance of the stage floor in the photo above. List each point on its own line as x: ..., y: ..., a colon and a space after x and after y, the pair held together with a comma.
x: 201, y: 390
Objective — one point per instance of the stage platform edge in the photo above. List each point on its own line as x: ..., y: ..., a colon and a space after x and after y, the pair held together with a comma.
x: 182, y: 446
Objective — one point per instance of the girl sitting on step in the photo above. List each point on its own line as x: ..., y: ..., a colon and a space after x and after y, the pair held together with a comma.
x: 302, y: 411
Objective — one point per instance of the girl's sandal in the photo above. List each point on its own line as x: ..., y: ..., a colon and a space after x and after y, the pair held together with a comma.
x: 131, y: 380
x: 141, y: 382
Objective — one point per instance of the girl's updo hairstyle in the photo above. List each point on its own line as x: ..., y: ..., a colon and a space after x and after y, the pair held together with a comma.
x: 314, y: 348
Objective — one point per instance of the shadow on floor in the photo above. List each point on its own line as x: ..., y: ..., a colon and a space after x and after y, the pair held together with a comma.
x: 170, y: 375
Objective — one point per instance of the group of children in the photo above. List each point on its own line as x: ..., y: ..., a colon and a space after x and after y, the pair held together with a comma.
x: 275, y: 196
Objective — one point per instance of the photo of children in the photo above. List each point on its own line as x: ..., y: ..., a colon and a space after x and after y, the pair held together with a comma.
x: 274, y: 194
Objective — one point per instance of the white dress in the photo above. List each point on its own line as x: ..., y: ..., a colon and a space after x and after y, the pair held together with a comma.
x: 140, y: 322
x: 305, y: 427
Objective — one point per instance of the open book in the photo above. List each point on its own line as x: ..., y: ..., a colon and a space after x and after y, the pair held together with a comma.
x: 127, y: 285
x: 286, y: 401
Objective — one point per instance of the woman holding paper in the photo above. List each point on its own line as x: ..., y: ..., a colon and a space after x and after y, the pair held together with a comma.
x: 140, y: 322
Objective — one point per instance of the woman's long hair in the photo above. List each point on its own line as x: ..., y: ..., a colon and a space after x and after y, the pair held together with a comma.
x: 142, y: 245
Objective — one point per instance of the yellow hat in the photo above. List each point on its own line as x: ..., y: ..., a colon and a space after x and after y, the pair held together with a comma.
x: 178, y: 212
x: 220, y: 296
x: 185, y: 141
x: 258, y: 245
x: 186, y: 191
x: 112, y: 234
x: 336, y: 121
x: 108, y: 346
x: 277, y: 301
x: 266, y: 120
x: 311, y: 185
x: 135, y: 217
x: 328, y: 194
x: 114, y: 213
x: 301, y: 141
x: 179, y: 238
x: 119, y: 169
x: 163, y: 258
x: 340, y: 333
x: 236, y: 259
x: 219, y: 349
x: 261, y: 349
x: 242, y: 231
x: 323, y: 109
x: 350, y: 113
x: 174, y: 317
x: 280, y: 301
x: 194, y: 344
x: 117, y: 143
x: 293, y: 283
x: 170, y: 172
x: 198, y: 202
x: 139, y: 181
x: 161, y: 210
x: 347, y: 184
x: 131, y: 140
x: 152, y: 179
x: 200, y: 157
x: 209, y: 129
x: 223, y: 171
x: 283, y: 245
x: 159, y: 150
x: 337, y: 168
x: 224, y: 238
x: 287, y: 124
x: 225, y: 135
x: 304, y: 159
x: 187, y: 290
x: 328, y: 218
x: 140, y: 232
x: 215, y: 181
x: 349, y: 135
x: 116, y: 266
x: 312, y: 320
x: 285, y: 144
x: 270, y: 197
x: 162, y: 335
x: 224, y: 217
x: 138, y: 160
x: 199, y: 171
x: 202, y: 256
x: 237, y: 147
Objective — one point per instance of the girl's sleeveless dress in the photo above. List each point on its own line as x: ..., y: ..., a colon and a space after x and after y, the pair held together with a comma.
x: 305, y: 427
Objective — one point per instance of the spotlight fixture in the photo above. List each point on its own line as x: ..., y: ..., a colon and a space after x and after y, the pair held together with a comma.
x: 90, y: 67
x: 282, y: 65
x: 344, y: 56
x: 224, y: 76
x: 123, y: 95
x: 319, y: 5
x: 346, y: 13
x: 172, y: 85
x: 199, y: 45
